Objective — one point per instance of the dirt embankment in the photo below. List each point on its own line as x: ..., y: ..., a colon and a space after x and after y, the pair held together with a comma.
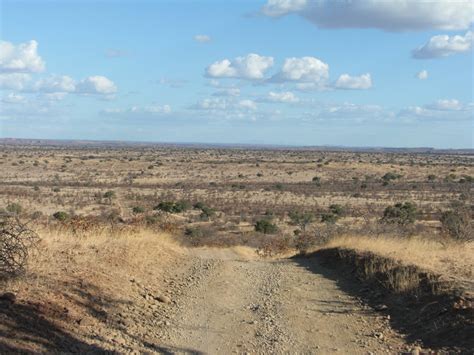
x: 424, y: 306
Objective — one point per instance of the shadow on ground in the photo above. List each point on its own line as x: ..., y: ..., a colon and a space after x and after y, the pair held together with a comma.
x: 426, y: 319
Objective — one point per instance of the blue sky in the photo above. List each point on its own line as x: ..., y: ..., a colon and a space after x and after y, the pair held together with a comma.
x: 299, y: 72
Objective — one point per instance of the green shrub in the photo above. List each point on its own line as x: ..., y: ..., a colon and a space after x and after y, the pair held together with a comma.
x: 138, y: 209
x: 391, y: 176
x: 14, y: 208
x: 400, y: 213
x: 336, y: 209
x: 301, y: 219
x: 265, y: 226
x: 329, y: 218
x: 173, y: 207
x: 109, y: 194
x: 61, y: 216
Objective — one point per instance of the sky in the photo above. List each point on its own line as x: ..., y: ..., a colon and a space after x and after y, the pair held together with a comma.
x: 392, y: 73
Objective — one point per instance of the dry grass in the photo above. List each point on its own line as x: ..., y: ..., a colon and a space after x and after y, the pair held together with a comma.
x: 453, y: 260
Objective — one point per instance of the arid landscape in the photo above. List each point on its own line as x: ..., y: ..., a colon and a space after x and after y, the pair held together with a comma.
x: 133, y: 248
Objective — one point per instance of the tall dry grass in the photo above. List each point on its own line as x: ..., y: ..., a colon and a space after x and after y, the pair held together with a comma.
x: 454, y: 260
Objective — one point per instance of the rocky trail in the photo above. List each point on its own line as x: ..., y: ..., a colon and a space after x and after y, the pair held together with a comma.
x: 220, y: 303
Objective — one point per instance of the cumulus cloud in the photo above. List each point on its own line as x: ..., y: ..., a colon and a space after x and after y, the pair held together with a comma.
x: 14, y: 81
x: 303, y: 70
x: 56, y: 84
x: 441, y: 110
x: 446, y: 105
x: 202, y: 38
x: 96, y: 84
x: 247, y: 104
x: 280, y: 97
x: 250, y: 67
x: 227, y: 92
x: 389, y: 15
x: 345, y: 81
x: 444, y: 46
x: 12, y: 98
x: 138, y: 111
x: 351, y: 111
x: 21, y: 58
x: 224, y: 104
x: 422, y: 75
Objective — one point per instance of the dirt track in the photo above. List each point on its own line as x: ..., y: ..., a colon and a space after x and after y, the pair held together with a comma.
x: 226, y: 304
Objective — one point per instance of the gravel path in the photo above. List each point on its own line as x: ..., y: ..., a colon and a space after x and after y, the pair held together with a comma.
x: 224, y: 305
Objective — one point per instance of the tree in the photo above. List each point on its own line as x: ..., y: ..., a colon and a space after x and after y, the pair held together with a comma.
x: 301, y: 219
x: 400, y: 213
x: 265, y: 226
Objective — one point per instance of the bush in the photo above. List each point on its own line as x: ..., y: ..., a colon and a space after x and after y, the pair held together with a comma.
x: 14, y: 208
x: 173, y: 207
x: 61, y: 216
x: 329, y: 218
x: 338, y: 210
x: 138, y: 209
x: 401, y: 213
x: 391, y: 176
x: 206, y: 213
x: 265, y: 226
x: 109, y: 194
x: 16, y: 242
x: 301, y: 219
x: 457, y: 224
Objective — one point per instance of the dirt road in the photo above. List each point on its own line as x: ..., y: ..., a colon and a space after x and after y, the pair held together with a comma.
x: 226, y: 304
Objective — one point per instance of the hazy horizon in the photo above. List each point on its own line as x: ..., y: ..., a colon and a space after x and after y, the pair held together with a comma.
x: 397, y: 73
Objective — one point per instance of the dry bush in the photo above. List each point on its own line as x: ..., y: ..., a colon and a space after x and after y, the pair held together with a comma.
x: 16, y: 243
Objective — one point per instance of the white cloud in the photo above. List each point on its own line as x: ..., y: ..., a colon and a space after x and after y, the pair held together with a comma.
x: 389, y: 15
x: 227, y: 92
x: 14, y: 81
x: 96, y: 85
x: 247, y: 104
x: 349, y: 112
x: 422, y: 75
x: 251, y: 67
x: 22, y: 58
x: 280, y: 97
x: 56, y: 84
x: 217, y: 104
x: 282, y: 7
x: 345, y: 81
x: 441, y: 110
x: 202, y: 38
x: 446, y: 105
x: 303, y: 70
x: 13, y: 98
x: 444, y: 46
x: 138, y: 111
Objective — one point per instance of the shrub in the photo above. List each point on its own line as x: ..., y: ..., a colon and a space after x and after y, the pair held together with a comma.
x: 16, y: 242
x: 138, y: 209
x: 336, y: 209
x: 109, y: 194
x: 391, y: 176
x: 301, y: 219
x: 329, y: 218
x: 14, y: 208
x: 457, y: 224
x: 431, y: 177
x: 61, y: 216
x: 206, y: 213
x: 400, y: 213
x: 265, y: 226
x: 173, y: 207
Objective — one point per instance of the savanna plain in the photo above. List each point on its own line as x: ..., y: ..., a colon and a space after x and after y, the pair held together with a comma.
x: 116, y: 248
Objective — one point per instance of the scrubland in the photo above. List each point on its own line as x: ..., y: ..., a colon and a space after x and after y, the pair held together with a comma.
x: 116, y: 225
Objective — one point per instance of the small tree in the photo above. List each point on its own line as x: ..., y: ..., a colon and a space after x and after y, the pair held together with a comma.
x: 14, y: 208
x: 457, y: 224
x: 400, y: 213
x: 301, y: 219
x: 265, y: 226
x: 61, y: 216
